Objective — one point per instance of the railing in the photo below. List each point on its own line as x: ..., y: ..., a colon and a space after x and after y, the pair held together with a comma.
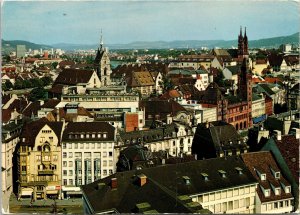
x: 45, y: 172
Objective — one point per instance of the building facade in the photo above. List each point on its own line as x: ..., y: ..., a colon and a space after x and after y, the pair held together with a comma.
x: 87, y: 154
x: 39, y: 163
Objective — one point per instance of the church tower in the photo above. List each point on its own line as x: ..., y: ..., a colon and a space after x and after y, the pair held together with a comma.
x: 243, y: 45
x: 102, y: 64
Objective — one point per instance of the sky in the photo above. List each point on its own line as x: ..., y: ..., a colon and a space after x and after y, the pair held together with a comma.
x: 80, y: 22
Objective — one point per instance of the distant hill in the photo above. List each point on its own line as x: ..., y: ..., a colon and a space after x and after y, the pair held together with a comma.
x: 9, y: 46
x: 273, y: 42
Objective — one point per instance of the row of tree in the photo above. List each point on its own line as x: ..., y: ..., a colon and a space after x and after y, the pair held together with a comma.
x: 23, y: 84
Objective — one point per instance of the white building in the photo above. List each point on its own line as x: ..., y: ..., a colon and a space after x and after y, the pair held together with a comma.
x: 87, y: 154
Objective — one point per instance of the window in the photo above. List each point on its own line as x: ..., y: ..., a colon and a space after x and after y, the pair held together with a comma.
x: 276, y: 205
x: 64, y: 146
x: 230, y: 205
x: 104, y: 163
x: 38, y: 158
x: 65, y: 182
x: 110, y: 163
x: 110, y: 154
x: 110, y: 171
x: 70, y: 181
x: 277, y: 191
x: 81, y: 145
x: 286, y: 203
x: 263, y: 177
x: 104, y: 154
x: 64, y: 163
x: 70, y: 172
x: 281, y: 204
x: 70, y: 154
x: 64, y: 154
x: 287, y: 189
x: 277, y: 175
x: 236, y: 204
x: 70, y: 146
x: 65, y: 172
x: 105, y: 172
x: 104, y: 135
x: 76, y: 145
x: 55, y: 157
x: 267, y: 193
x: 23, y: 168
x: 70, y: 164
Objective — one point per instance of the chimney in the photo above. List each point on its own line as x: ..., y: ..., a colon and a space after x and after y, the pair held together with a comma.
x: 169, y: 119
x: 296, y: 132
x: 142, y: 179
x: 113, y: 183
x: 277, y: 134
x: 211, y: 78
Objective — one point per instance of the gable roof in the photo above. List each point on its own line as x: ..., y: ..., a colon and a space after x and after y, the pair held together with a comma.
x: 31, y: 130
x: 143, y: 78
x: 234, y: 69
x: 264, y: 163
x: 73, y: 76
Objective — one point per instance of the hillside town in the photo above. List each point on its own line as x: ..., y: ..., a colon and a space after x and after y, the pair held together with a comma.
x: 152, y: 131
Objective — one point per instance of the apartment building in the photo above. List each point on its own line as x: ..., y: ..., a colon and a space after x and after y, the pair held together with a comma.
x: 273, y: 194
x: 87, y: 154
x: 10, y: 138
x: 258, y: 108
x: 39, y: 159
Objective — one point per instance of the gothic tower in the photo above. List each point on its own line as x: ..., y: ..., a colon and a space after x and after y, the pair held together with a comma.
x: 243, y: 45
x: 102, y: 64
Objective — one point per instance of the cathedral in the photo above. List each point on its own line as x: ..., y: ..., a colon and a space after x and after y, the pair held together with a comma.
x: 102, y: 64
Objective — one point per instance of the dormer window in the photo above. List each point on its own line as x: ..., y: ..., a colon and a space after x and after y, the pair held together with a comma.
x: 277, y: 175
x: 205, y: 176
x: 287, y: 189
x: 239, y: 170
x: 222, y: 173
x: 267, y: 193
x: 82, y: 136
x: 187, y: 180
x: 277, y: 191
x: 263, y: 177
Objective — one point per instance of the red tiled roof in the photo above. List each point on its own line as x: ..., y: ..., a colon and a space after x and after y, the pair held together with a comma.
x: 6, y: 115
x: 170, y: 94
x: 74, y: 76
x: 289, y: 149
x: 263, y: 162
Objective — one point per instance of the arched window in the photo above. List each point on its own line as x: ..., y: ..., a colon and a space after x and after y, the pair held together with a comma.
x: 245, y: 124
x: 46, y: 148
x: 241, y: 125
x: 237, y: 126
x: 39, y: 148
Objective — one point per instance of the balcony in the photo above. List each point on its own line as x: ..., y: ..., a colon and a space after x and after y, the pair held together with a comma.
x: 46, y: 172
x: 34, y: 183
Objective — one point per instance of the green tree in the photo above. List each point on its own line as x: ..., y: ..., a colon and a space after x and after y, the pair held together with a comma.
x: 8, y: 84
x: 4, y: 88
x: 54, y: 65
x: 37, y: 93
x: 166, y: 84
x: 36, y: 82
x: 18, y: 84
x: 46, y: 80
x: 27, y: 84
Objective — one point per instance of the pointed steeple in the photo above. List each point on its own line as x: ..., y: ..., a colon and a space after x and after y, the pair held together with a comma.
x: 245, y: 33
x: 241, y: 33
x: 101, y: 41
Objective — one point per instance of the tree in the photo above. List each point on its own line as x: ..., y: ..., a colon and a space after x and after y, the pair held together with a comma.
x: 8, y: 85
x: 166, y: 84
x: 38, y: 93
x: 36, y: 82
x: 18, y: 84
x: 46, y: 80
x: 4, y: 88
x: 54, y: 65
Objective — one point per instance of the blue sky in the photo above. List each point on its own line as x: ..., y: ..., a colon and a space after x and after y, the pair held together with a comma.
x: 80, y: 22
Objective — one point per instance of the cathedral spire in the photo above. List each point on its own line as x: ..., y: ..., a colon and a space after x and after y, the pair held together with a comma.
x: 245, y: 34
x: 101, y: 40
x: 241, y: 33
